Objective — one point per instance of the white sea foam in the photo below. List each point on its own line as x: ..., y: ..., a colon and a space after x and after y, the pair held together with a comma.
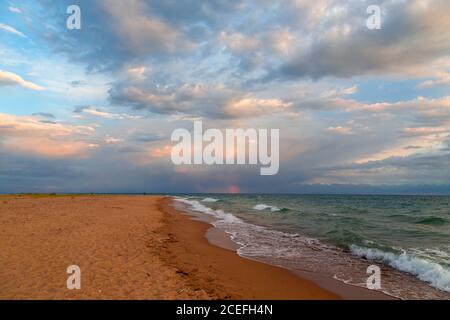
x: 218, y: 214
x: 263, y: 206
x: 210, y: 200
x: 254, y: 240
x: 431, y: 272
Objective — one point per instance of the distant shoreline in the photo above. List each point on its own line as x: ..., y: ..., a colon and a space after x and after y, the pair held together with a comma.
x: 63, y: 194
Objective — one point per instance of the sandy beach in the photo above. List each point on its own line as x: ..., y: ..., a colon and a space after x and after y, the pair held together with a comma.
x: 127, y: 247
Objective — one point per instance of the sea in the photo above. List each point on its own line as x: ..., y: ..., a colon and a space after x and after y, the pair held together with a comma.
x: 340, y: 236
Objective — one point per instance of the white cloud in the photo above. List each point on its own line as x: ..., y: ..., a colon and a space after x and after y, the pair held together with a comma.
x: 14, y: 9
x: 238, y: 43
x: 250, y: 106
x: 442, y: 80
x: 104, y: 114
x: 350, y: 91
x: 10, y: 29
x: 28, y: 135
x: 137, y: 73
x: 144, y: 34
x: 10, y: 79
x: 425, y: 131
x: 112, y: 140
x: 340, y: 130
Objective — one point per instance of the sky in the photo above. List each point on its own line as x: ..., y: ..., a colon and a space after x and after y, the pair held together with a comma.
x: 92, y: 110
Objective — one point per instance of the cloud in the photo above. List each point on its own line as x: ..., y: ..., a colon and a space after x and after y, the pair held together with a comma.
x: 145, y: 137
x: 426, y: 131
x: 413, y: 35
x: 257, y: 49
x: 112, y: 140
x: 11, y: 79
x: 143, y: 33
x: 238, y: 43
x: 350, y: 90
x: 406, y: 170
x: 300, y: 39
x: 123, y: 35
x: 210, y: 101
x: 14, y: 9
x: 137, y: 73
x: 442, y: 80
x: 103, y: 114
x: 253, y: 107
x: 78, y: 83
x: 343, y: 96
x: 425, y: 112
x: 44, y: 115
x: 146, y: 166
x: 10, y: 29
x: 340, y: 130
x: 27, y: 135
x: 117, y: 34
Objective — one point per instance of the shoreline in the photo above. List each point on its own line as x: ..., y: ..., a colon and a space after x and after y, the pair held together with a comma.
x: 224, y: 273
x: 220, y: 239
x: 132, y: 247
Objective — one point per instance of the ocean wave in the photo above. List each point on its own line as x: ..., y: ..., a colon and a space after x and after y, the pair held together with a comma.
x: 218, y: 214
x: 254, y: 240
x: 300, y: 252
x: 435, y: 221
x: 210, y: 200
x: 263, y: 206
x: 430, y: 272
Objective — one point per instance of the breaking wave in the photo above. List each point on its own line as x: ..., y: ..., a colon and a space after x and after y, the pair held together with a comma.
x: 263, y: 206
x: 428, y: 271
x: 210, y: 200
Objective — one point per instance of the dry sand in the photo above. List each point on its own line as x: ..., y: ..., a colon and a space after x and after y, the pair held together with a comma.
x: 128, y: 247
